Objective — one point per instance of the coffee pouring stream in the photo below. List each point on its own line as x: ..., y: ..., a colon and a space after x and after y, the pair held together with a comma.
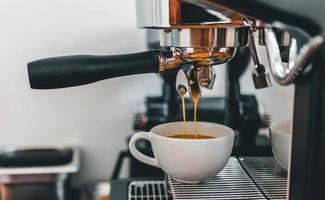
x: 187, y: 80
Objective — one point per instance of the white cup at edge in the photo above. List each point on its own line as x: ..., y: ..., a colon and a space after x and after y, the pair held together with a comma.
x: 280, y: 134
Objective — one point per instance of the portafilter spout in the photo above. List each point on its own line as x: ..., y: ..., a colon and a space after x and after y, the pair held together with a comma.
x: 181, y: 82
x: 187, y: 79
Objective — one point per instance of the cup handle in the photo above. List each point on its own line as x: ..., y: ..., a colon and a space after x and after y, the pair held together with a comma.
x: 137, y: 154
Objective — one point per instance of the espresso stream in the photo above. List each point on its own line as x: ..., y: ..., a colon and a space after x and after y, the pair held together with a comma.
x: 182, y: 94
x: 195, y: 97
x: 186, y: 134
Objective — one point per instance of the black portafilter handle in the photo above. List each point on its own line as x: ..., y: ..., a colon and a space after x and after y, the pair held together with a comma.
x: 68, y: 71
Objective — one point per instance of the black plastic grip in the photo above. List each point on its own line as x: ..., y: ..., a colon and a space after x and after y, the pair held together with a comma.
x: 68, y: 71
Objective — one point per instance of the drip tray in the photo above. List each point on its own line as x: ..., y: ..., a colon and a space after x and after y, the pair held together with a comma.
x: 267, y: 175
x: 231, y: 183
x: 242, y: 178
x: 148, y: 190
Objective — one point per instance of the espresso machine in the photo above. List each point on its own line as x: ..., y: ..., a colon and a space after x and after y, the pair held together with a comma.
x: 196, y: 35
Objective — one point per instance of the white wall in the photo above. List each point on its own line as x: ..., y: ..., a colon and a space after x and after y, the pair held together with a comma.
x: 97, y: 117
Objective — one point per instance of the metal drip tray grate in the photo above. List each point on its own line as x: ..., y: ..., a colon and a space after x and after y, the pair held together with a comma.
x: 268, y: 176
x: 243, y: 178
x: 148, y: 190
x: 231, y: 183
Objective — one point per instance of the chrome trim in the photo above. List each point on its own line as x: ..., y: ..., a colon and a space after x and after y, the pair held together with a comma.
x: 252, y: 47
x: 181, y: 83
x: 284, y: 74
x: 261, y: 77
x: 283, y: 37
x: 173, y: 13
x: 169, y: 60
x: 203, y: 57
x: 205, y: 37
x: 194, y: 86
x: 206, y: 76
x: 152, y: 13
x: 200, y: 57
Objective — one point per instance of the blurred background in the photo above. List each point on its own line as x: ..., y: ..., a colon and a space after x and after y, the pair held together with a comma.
x: 96, y: 117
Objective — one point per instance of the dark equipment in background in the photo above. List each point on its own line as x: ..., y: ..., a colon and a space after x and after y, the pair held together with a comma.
x: 37, y: 173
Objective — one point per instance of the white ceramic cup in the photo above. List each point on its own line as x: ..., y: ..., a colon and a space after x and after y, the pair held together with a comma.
x: 187, y: 160
x: 280, y: 134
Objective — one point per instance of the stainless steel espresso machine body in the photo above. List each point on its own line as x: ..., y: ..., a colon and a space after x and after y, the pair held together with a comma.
x: 198, y: 34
